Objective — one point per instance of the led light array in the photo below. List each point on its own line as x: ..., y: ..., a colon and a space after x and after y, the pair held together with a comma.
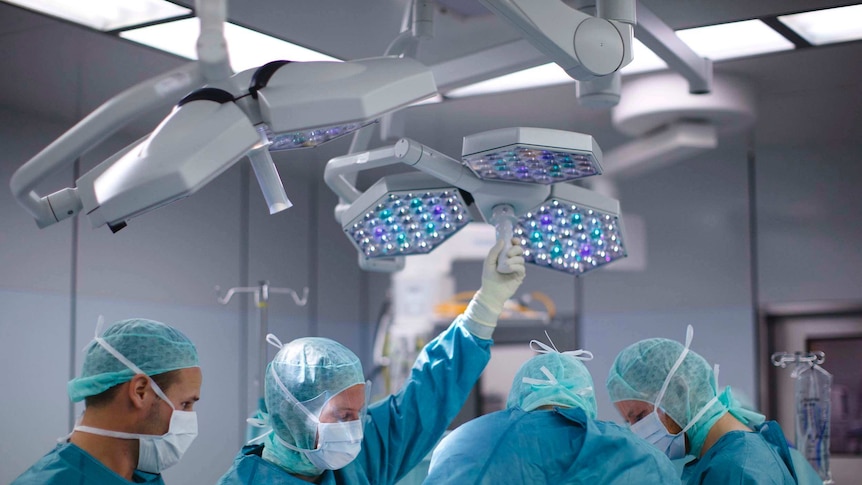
x: 532, y: 165
x: 310, y: 138
x: 570, y: 238
x: 404, y: 223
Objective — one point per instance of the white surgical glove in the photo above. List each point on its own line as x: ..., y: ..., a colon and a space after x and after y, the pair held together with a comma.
x: 487, y: 304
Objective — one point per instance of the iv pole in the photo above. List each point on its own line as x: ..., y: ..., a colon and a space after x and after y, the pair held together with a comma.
x: 261, y: 300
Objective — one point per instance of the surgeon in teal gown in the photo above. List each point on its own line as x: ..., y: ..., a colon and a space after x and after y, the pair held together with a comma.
x: 69, y: 465
x: 548, y: 435
x: 670, y: 397
x: 315, y: 400
x: 132, y: 376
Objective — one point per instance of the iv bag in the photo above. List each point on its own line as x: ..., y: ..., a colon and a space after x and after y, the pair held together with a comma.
x: 813, y: 406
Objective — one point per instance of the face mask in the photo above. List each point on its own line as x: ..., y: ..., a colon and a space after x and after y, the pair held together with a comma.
x: 651, y: 429
x: 155, y: 452
x: 338, y: 444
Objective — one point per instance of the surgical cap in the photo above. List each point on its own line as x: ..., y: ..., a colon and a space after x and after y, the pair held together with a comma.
x: 640, y: 370
x: 154, y: 347
x: 553, y: 379
x: 313, y: 370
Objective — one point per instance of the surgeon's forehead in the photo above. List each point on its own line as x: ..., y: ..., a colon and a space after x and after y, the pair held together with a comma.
x: 631, y: 409
x: 351, y: 398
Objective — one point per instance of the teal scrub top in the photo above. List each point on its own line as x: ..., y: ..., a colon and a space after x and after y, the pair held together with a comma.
x: 68, y: 464
x: 761, y: 457
x: 559, y: 446
x: 401, y: 429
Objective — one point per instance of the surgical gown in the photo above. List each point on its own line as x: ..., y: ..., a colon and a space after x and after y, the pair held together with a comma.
x: 559, y: 446
x: 68, y: 464
x: 741, y: 457
x: 401, y: 429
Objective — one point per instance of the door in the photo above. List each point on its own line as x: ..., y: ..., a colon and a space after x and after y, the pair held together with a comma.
x: 837, y: 332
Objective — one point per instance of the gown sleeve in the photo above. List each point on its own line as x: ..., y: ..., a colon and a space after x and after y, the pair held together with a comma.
x: 404, y: 427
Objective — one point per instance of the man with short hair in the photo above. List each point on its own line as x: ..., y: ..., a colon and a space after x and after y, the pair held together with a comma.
x: 140, y: 381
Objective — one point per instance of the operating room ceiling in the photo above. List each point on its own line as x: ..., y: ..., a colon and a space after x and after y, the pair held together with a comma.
x: 63, y: 71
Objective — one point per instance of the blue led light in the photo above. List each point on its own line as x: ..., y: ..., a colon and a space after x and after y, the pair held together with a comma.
x: 310, y: 138
x: 569, y: 238
x: 529, y: 164
x: 404, y: 223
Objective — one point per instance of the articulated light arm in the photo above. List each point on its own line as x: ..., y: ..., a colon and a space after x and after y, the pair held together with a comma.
x: 586, y: 47
x: 662, y: 40
x: 158, y: 92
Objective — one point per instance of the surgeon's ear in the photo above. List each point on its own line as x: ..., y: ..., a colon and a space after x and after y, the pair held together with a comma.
x: 138, y: 390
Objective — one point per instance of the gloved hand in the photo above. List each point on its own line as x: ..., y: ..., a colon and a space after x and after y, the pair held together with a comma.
x: 487, y: 303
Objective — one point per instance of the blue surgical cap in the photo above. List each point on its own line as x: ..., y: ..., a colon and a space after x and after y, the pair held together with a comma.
x: 640, y: 370
x: 312, y: 370
x: 154, y: 347
x: 556, y: 379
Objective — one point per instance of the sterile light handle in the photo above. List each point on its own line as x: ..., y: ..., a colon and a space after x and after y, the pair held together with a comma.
x: 268, y: 178
x: 503, y: 219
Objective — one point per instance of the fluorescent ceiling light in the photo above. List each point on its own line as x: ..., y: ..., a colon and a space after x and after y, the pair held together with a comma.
x: 819, y: 27
x: 736, y: 39
x: 105, y: 15
x: 246, y: 48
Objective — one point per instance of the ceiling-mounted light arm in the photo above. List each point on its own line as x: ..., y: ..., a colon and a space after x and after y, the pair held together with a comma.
x: 418, y: 24
x: 158, y: 92
x: 584, y: 46
x: 340, y: 172
x: 664, y: 42
x: 211, y: 43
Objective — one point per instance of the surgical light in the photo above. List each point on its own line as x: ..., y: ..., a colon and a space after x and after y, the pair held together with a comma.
x: 405, y: 214
x: 304, y: 104
x: 563, y: 227
x: 280, y: 105
x: 531, y: 155
x: 574, y: 231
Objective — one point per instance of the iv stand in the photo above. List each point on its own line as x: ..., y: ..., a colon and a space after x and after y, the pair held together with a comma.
x: 261, y: 300
x: 810, y: 360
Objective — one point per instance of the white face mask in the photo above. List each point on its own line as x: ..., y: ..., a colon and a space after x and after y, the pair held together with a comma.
x: 155, y: 452
x: 650, y: 427
x: 653, y: 431
x: 338, y: 444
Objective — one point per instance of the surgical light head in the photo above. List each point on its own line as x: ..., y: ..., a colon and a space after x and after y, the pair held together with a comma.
x: 204, y: 135
x: 574, y: 231
x: 405, y: 214
x: 304, y: 104
x: 281, y: 105
x: 531, y: 155
x: 561, y: 226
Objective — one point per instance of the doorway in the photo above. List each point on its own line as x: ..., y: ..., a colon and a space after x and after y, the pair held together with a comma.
x: 836, y: 330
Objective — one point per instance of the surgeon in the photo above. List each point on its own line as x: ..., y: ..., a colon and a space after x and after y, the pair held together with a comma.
x: 669, y: 396
x: 316, y: 399
x: 548, y: 434
x: 140, y: 381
